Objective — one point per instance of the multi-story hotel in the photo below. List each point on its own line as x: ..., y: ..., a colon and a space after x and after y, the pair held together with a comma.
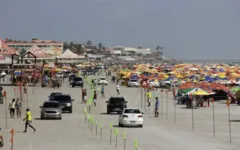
x: 49, y: 46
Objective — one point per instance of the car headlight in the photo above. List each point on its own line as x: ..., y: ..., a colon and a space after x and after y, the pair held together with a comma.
x: 68, y: 104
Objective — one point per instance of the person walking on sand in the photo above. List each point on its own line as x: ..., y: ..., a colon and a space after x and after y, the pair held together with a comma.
x: 118, y: 88
x: 18, y: 108
x: 28, y: 120
x: 95, y: 98
x: 157, y: 107
x: 12, y: 108
x: 149, y: 96
x: 102, y: 92
x: 83, y: 94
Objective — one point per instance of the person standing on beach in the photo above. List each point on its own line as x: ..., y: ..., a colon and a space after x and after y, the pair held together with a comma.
x: 18, y: 108
x: 157, y: 107
x: 28, y: 120
x: 12, y: 106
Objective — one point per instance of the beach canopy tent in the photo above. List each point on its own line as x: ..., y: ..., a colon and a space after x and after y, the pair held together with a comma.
x: 69, y: 54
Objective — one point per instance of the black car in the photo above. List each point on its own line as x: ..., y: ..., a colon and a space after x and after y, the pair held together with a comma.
x: 116, y: 104
x: 77, y: 81
x: 65, y: 102
x: 71, y: 77
x: 51, y: 96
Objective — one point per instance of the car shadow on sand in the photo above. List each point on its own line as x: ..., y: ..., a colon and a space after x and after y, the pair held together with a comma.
x: 235, y: 121
x: 45, y: 119
x: 110, y: 114
x: 117, y: 126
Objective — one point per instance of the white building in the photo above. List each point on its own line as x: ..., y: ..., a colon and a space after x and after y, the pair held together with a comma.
x: 131, y: 50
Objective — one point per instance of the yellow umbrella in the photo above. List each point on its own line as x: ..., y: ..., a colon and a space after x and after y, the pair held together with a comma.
x: 198, y: 91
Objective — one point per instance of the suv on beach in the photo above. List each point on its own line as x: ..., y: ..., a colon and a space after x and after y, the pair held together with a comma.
x: 65, y: 101
x: 51, y: 96
x: 77, y: 81
x: 116, y: 104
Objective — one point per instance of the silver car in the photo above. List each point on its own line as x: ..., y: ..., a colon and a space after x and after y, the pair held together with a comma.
x: 51, y: 109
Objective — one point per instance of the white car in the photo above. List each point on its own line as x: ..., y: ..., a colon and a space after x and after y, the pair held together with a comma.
x: 154, y: 83
x: 59, y: 74
x: 131, y: 117
x: 133, y: 83
x: 102, y: 81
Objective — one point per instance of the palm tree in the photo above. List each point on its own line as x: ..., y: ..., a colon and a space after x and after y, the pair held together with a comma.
x: 89, y: 43
x: 159, y: 47
x: 22, y: 51
x: 99, y: 46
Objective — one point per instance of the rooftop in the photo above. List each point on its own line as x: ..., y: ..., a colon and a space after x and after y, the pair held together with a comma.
x: 33, y: 41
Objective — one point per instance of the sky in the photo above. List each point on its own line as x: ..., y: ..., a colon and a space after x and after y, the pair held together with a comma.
x: 187, y: 29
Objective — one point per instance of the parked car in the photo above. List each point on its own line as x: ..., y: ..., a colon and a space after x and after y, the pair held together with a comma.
x: 131, y: 117
x: 59, y: 75
x: 51, y: 96
x: 154, y: 83
x: 65, y: 102
x: 133, y: 83
x: 51, y: 109
x: 116, y: 104
x: 77, y: 81
x: 102, y: 81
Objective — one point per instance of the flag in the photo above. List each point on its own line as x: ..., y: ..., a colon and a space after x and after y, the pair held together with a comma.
x: 212, y: 100
x: 228, y: 102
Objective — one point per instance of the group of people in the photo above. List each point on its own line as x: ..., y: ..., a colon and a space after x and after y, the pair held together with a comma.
x: 15, y: 106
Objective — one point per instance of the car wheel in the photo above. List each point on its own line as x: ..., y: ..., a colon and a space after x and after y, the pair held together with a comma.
x: 141, y: 126
x: 60, y: 118
x: 108, y: 112
x: 70, y: 111
x: 73, y: 86
x: 41, y: 117
x: 119, y: 124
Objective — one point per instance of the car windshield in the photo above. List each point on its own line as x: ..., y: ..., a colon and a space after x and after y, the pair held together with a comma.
x: 77, y: 79
x: 62, y: 98
x: 132, y: 111
x: 53, y: 94
x: 134, y: 80
x: 51, y: 105
x: 72, y: 76
x: 116, y: 100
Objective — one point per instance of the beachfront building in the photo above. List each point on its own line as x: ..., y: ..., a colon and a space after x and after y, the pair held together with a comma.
x: 54, y: 48
x: 131, y: 50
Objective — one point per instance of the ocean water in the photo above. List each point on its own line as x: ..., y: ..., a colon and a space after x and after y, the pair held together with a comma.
x: 211, y: 61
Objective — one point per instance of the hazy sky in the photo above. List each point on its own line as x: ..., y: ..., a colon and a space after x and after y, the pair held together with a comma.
x: 187, y: 29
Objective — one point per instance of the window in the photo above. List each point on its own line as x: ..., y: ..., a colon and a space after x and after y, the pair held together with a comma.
x: 77, y: 79
x: 132, y: 111
x: 62, y: 98
x: 51, y: 105
x: 116, y: 100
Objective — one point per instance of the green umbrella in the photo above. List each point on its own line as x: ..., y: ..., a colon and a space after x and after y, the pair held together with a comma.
x: 235, y: 89
x: 186, y: 90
